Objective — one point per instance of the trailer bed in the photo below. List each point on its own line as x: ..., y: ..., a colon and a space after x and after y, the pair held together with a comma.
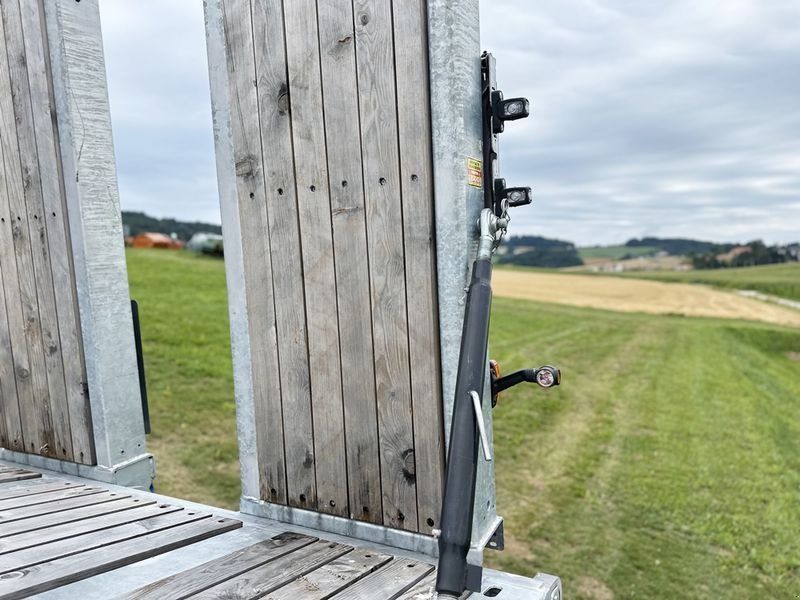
x: 64, y: 537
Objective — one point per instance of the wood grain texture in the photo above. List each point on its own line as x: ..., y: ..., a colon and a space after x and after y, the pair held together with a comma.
x: 54, y: 221
x: 388, y: 583
x: 250, y: 183
x: 316, y: 242
x: 194, y: 581
x: 18, y: 475
x: 381, y: 168
x: 45, y: 497
x: 33, y: 488
x: 77, y: 545
x: 330, y: 579
x: 37, y: 510
x: 48, y: 575
x: 10, y: 423
x: 274, y: 107
x: 416, y: 175
x: 262, y: 580
x: 338, y: 65
x: 69, y: 530
x: 42, y: 522
x: 55, y: 414
x: 18, y: 281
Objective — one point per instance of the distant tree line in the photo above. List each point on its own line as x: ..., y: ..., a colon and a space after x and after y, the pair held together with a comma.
x: 679, y: 246
x: 537, y: 251
x: 753, y: 253
x: 139, y: 222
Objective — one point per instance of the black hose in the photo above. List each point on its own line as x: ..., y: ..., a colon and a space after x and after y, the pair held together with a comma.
x: 462, y: 458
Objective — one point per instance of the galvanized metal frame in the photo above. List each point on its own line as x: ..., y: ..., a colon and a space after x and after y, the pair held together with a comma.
x: 457, y: 126
x: 95, y: 224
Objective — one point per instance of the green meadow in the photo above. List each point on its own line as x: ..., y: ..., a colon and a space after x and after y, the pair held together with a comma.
x: 777, y: 280
x: 666, y: 466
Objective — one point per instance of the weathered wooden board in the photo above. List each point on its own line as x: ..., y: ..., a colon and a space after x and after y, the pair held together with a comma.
x: 48, y: 575
x: 78, y: 544
x: 333, y: 577
x: 335, y: 209
x: 338, y: 66
x: 264, y: 579
x: 251, y: 195
x: 45, y: 497
x: 379, y: 142
x: 48, y: 413
x: 387, y: 583
x: 283, y: 232
x: 52, y: 406
x: 32, y: 488
x: 57, y: 242
x: 316, y: 243
x: 18, y: 475
x: 42, y: 522
x: 18, y: 284
x: 57, y: 506
x: 416, y: 175
x: 194, y: 581
x: 68, y: 530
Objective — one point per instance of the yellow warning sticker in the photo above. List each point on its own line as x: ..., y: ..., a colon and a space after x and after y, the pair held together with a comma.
x: 475, y: 172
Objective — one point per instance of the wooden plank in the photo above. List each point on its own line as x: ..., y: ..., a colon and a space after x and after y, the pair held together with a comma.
x: 416, y: 175
x: 21, y: 559
x: 258, y: 267
x: 375, y: 62
x: 284, y: 236
x: 52, y: 574
x: 54, y: 218
x: 35, y: 487
x: 424, y: 590
x: 338, y: 62
x: 193, y: 581
x: 387, y: 583
x: 10, y: 423
x: 43, y: 498
x: 18, y: 476
x: 27, y: 512
x: 15, y: 253
x: 333, y: 577
x: 42, y: 522
x: 67, y: 530
x: 262, y: 580
x: 56, y: 417
x: 316, y: 242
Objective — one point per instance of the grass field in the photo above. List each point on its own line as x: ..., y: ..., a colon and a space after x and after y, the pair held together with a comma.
x: 778, y: 280
x: 667, y: 465
x: 184, y: 318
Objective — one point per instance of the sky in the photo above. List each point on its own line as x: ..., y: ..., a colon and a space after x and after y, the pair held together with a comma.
x: 669, y: 119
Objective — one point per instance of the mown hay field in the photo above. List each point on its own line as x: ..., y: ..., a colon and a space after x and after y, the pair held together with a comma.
x: 666, y: 466
x: 636, y: 295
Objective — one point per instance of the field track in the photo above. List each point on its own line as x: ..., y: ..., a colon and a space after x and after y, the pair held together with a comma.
x: 634, y: 295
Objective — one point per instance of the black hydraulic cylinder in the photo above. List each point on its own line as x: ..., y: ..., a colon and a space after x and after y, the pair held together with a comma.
x: 462, y: 457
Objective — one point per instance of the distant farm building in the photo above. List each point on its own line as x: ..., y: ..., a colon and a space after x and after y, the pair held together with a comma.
x: 156, y: 240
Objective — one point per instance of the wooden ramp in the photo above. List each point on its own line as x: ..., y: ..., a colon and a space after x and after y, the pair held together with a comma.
x: 54, y: 532
x: 64, y: 537
x: 298, y: 567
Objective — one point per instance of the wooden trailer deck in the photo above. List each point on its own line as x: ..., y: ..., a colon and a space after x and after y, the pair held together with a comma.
x: 63, y: 537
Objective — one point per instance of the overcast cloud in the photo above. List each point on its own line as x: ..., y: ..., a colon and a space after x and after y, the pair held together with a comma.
x: 677, y: 118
